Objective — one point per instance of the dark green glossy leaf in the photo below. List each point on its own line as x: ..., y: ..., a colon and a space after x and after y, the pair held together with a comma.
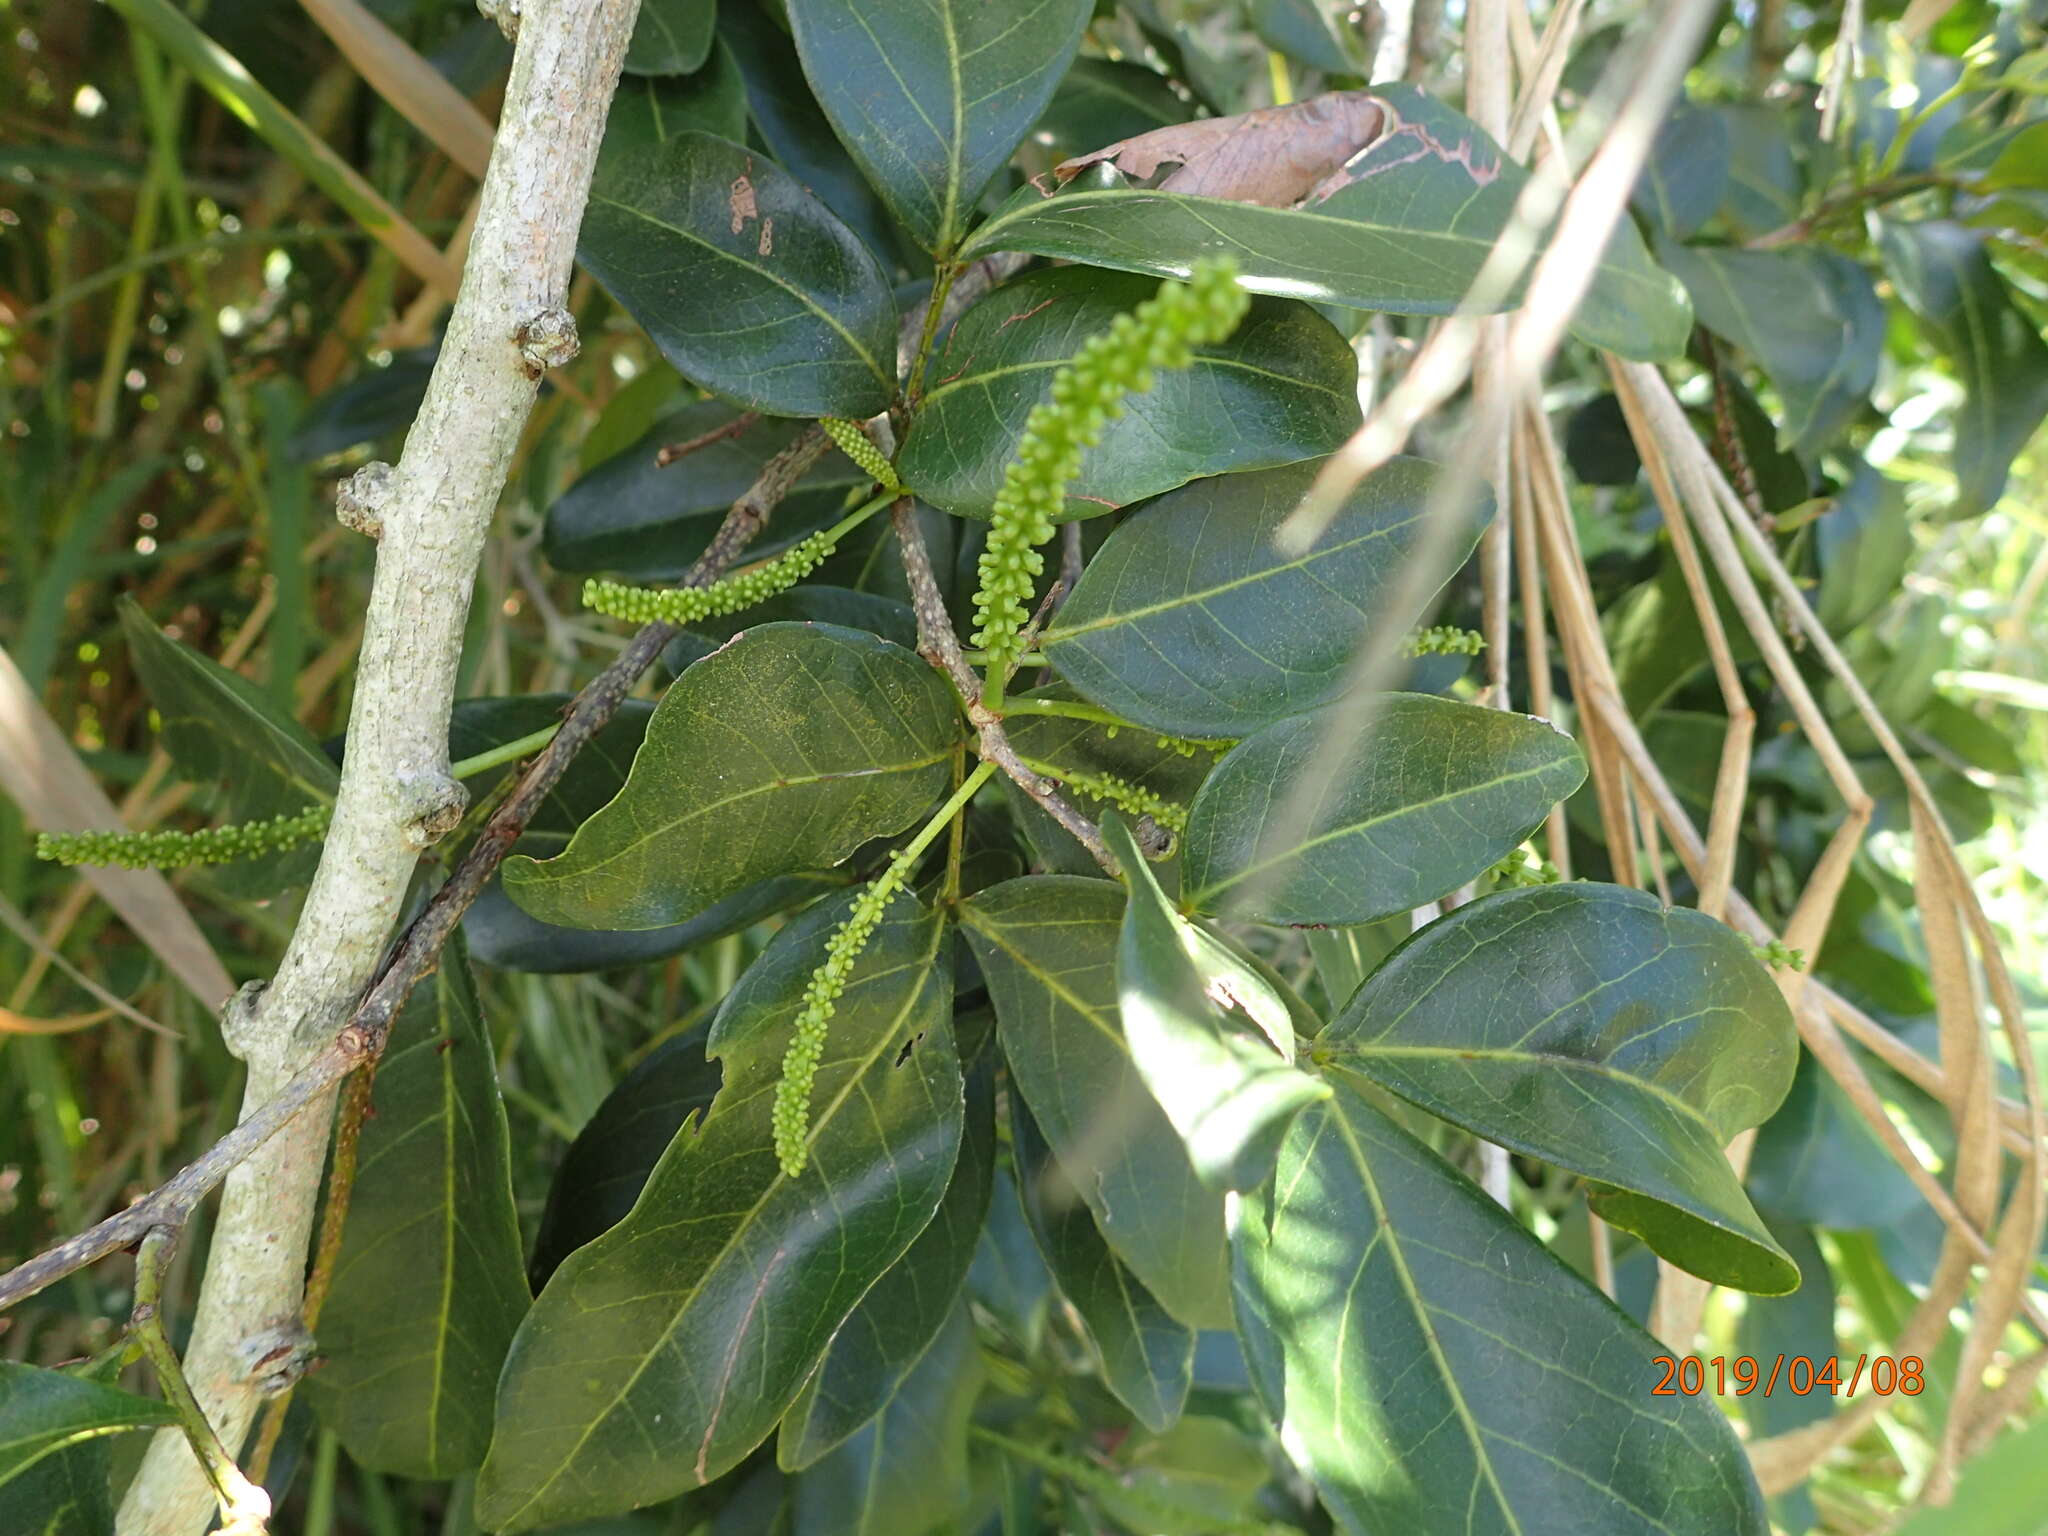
x: 1146, y: 1358
x: 1765, y: 184
x: 1809, y: 316
x: 431, y: 1283
x: 1047, y: 946
x: 1590, y: 1026
x: 1407, y: 234
x: 1008, y: 1279
x: 783, y: 752
x: 1863, y: 545
x: 931, y: 96
x: 1211, y: 1039
x: 655, y: 106
x: 1099, y: 102
x: 878, y: 1349
x: 608, y: 1163
x: 630, y: 514
x: 375, y: 403
x: 905, y: 1470
x: 1283, y: 387
x: 662, y: 1353
x: 1438, y: 1372
x: 505, y: 938
x: 748, y: 284
x: 1996, y: 349
x: 595, y: 775
x: 1817, y: 1160
x: 793, y: 126
x: 1301, y: 30
x: 1687, y: 172
x: 53, y: 1460
x: 1435, y: 792
x: 671, y: 37
x: 224, y: 732
x: 1190, y: 621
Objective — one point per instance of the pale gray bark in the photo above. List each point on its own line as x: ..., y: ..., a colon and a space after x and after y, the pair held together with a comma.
x: 430, y: 515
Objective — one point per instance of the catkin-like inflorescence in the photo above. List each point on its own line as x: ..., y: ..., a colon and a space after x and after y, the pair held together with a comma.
x: 860, y: 448
x: 176, y: 850
x: 690, y: 605
x: 1133, y: 799
x: 1446, y: 640
x: 1087, y: 394
x: 791, y: 1115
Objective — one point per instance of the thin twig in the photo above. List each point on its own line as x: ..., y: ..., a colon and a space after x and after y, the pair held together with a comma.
x: 939, y: 645
x: 676, y: 451
x: 418, y: 952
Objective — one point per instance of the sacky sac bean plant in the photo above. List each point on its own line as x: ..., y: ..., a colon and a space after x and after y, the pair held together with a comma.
x: 1195, y: 827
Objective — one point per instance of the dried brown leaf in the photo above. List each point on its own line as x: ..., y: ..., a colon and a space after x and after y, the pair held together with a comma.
x: 1274, y: 157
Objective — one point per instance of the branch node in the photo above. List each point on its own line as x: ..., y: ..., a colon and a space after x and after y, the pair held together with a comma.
x: 547, y: 339
x: 274, y: 1358
x: 365, y: 497
x: 505, y: 13
x: 433, y: 806
x: 238, y: 1019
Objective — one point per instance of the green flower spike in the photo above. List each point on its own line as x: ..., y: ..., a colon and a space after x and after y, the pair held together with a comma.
x: 176, y: 850
x: 745, y: 589
x: 1087, y: 394
x: 1446, y: 640
x: 859, y: 447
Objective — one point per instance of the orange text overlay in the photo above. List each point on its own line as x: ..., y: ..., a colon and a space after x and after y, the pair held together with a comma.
x: 1800, y: 1375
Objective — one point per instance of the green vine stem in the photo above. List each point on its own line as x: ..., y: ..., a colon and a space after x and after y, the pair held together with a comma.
x: 244, y: 1507
x: 744, y: 589
x: 1087, y: 394
x: 792, y: 1112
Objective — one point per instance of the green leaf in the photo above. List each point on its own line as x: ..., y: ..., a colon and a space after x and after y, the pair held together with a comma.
x: 1407, y: 234
x: 1947, y: 280
x: 793, y: 126
x: 880, y: 1346
x: 747, y: 283
x: 1687, y: 172
x: 630, y: 514
x: 905, y: 1470
x: 1211, y: 1039
x: 784, y: 751
x: 608, y: 1163
x: 661, y: 1354
x: 1190, y: 621
x: 931, y: 96
x: 1438, y: 1371
x: 1809, y: 316
x: 655, y: 106
x: 224, y: 732
x: 1200, y: 1477
x: 1765, y: 184
x: 1047, y: 946
x: 430, y: 1284
x: 671, y: 37
x: 1146, y: 1358
x: 1863, y: 546
x: 1434, y: 794
x: 1591, y: 1026
x: 54, y: 1467
x: 502, y: 937
x: 1099, y: 102
x: 1283, y: 387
